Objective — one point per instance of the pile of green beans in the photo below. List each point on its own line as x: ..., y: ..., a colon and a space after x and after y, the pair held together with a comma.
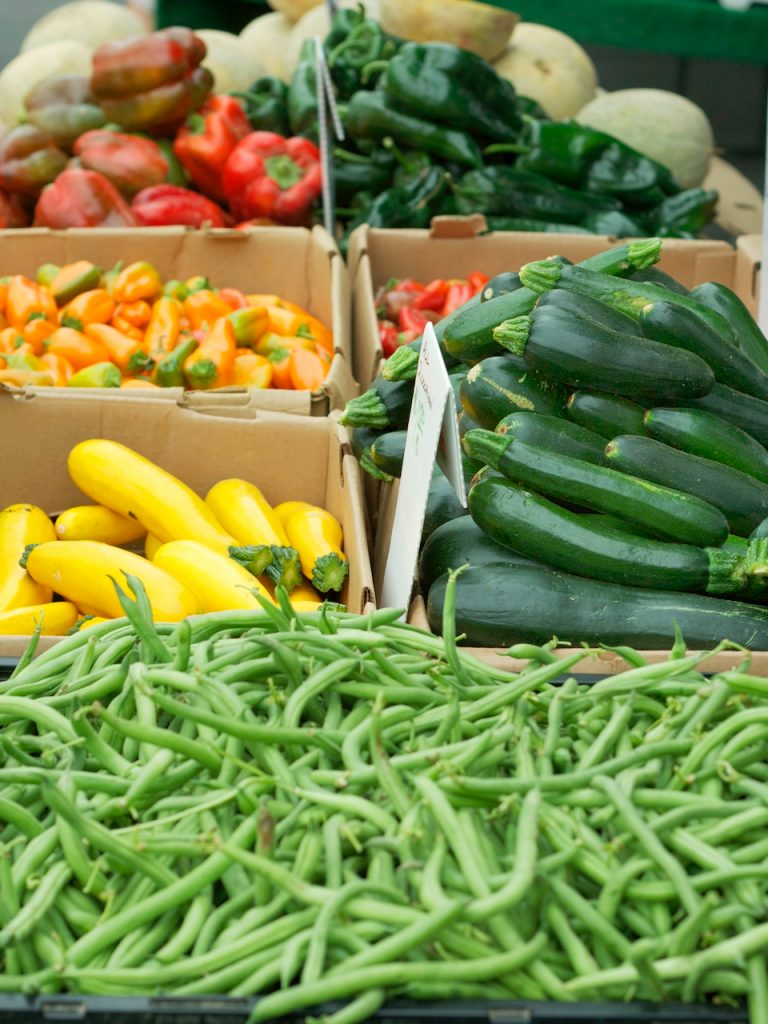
x: 323, y: 807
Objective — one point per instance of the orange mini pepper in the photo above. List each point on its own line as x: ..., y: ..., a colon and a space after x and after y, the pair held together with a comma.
x: 36, y: 332
x: 77, y: 347
x: 138, y: 313
x: 26, y: 378
x: 251, y: 370
x: 262, y: 299
x: 203, y: 308
x: 10, y: 339
x: 307, y: 370
x: 270, y: 342
x: 249, y: 323
x: 138, y: 382
x: 162, y: 333
x: 211, y: 365
x: 137, y: 281
x: 123, y: 325
x: 25, y: 299
x: 280, y: 360
x: 126, y: 353
x: 234, y: 297
x: 59, y: 368
x: 310, y: 326
x: 3, y: 294
x: 92, y: 307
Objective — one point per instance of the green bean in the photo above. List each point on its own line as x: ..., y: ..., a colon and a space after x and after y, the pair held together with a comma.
x: 136, y: 947
x: 19, y: 817
x: 146, y: 734
x: 280, y: 1003
x: 217, y: 918
x: 357, y: 1010
x: 41, y: 900
x: 313, y: 685
x: 580, y: 958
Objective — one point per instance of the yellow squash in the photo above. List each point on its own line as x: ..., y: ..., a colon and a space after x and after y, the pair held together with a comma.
x: 21, y: 525
x: 115, y: 476
x: 317, y: 537
x: 58, y: 617
x: 82, y: 571
x: 90, y: 620
x: 244, y: 512
x: 305, y: 598
x: 219, y: 583
x: 97, y: 522
x: 151, y: 545
x: 286, y: 509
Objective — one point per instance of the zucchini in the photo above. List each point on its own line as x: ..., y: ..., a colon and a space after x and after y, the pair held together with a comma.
x: 442, y: 505
x: 727, y: 303
x: 673, y: 325
x: 461, y: 542
x: 387, y: 452
x: 628, y: 296
x: 607, y: 415
x: 386, y: 405
x: 589, y: 309
x: 361, y: 439
x: 751, y: 414
x: 699, y: 432
x: 500, y: 605
x: 553, y: 435
x: 499, y: 385
x: 469, y: 335
x: 742, y: 499
x: 668, y: 513
x: 581, y: 353
x: 465, y: 422
x: 501, y: 284
x: 538, y: 528
x: 652, y: 275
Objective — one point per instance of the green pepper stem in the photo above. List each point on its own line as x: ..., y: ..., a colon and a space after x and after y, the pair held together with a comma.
x: 513, y: 334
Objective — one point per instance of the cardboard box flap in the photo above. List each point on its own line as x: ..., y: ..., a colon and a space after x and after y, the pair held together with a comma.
x: 458, y: 227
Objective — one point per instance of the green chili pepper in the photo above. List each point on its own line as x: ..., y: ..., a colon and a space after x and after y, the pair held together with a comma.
x: 169, y: 371
x: 355, y: 173
x: 266, y: 105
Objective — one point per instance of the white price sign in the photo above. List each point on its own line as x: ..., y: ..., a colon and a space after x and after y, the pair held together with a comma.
x: 433, y: 435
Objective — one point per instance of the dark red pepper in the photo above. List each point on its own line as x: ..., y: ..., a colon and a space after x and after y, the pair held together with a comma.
x: 206, y: 139
x: 388, y: 337
x: 171, y: 204
x: 433, y: 297
x: 131, y: 163
x: 82, y: 199
x: 267, y: 175
x: 409, y: 319
x: 458, y: 294
x: 12, y: 212
x: 29, y: 160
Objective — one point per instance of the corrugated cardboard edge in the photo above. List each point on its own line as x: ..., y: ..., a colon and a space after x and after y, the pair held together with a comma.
x: 740, y: 206
x: 596, y: 662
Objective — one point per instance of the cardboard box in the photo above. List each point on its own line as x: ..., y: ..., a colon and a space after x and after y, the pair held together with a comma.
x: 303, y: 266
x: 455, y: 246
x: 452, y: 249
x: 287, y: 456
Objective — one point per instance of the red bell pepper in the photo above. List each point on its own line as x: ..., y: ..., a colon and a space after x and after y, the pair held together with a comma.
x: 267, y: 175
x: 29, y: 160
x: 433, y: 296
x: 477, y: 281
x: 128, y: 161
x: 153, y: 81
x: 409, y: 319
x: 171, y: 204
x: 458, y: 294
x: 82, y: 199
x: 389, y: 338
x: 206, y: 139
x: 12, y: 212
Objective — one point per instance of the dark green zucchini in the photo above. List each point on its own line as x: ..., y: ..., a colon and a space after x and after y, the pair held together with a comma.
x: 361, y: 439
x: 582, y: 354
x: 386, y: 405
x: 469, y: 335
x: 537, y: 528
x: 498, y: 386
x: 500, y: 605
x: 751, y: 414
x: 460, y: 542
x: 628, y: 296
x: 465, y: 422
x: 442, y: 505
x: 607, y: 415
x: 760, y: 532
x: 702, y: 433
x: 652, y: 275
x: 742, y: 499
x: 501, y: 284
x: 387, y: 452
x: 589, y: 309
x: 722, y: 300
x: 470, y: 469
x: 553, y: 434
x: 667, y: 513
x: 673, y: 325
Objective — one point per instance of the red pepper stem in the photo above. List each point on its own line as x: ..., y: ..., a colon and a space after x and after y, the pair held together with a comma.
x: 283, y: 170
x: 195, y: 123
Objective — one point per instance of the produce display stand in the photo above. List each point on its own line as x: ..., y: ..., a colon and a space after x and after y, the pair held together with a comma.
x: 303, y: 266
x: 221, y: 1010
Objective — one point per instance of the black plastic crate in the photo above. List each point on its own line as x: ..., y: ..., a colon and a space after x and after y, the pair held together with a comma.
x: 223, y: 1010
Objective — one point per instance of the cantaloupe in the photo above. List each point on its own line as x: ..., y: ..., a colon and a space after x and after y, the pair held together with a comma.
x: 267, y: 37
x: 90, y: 22
x: 481, y: 28
x: 549, y: 67
x: 24, y: 72
x: 667, y: 127
x: 234, y: 65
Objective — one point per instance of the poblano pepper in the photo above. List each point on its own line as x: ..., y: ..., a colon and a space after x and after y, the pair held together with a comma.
x: 685, y: 214
x: 372, y: 115
x: 266, y: 105
x: 409, y: 207
x: 443, y: 83
x: 302, y: 95
x: 354, y: 173
x: 505, y: 191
